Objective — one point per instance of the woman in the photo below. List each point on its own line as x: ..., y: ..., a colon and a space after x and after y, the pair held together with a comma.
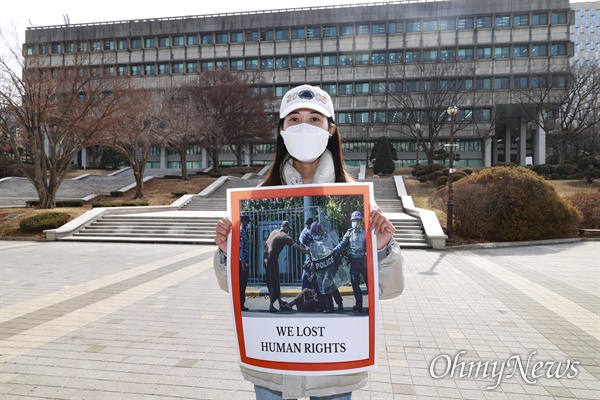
x: 309, y: 150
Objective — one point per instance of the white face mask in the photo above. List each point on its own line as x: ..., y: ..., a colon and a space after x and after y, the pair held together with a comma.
x: 354, y: 224
x: 305, y: 142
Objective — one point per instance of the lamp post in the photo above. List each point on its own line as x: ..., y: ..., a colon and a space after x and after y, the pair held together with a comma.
x: 418, y: 128
x: 452, y: 110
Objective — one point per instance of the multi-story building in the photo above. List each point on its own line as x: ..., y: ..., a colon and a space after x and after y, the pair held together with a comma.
x: 585, y: 32
x: 354, y: 53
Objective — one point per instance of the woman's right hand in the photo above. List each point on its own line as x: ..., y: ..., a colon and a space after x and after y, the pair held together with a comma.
x: 223, y: 230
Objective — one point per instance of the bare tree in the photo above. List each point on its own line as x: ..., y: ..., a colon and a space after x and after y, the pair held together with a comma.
x: 423, y: 91
x: 566, y: 106
x: 231, y: 111
x: 140, y: 130
x: 48, y: 114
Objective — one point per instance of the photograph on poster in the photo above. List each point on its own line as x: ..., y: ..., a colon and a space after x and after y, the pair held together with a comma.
x: 309, y: 253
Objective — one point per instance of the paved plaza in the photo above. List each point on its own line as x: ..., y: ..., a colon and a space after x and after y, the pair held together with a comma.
x: 148, y: 321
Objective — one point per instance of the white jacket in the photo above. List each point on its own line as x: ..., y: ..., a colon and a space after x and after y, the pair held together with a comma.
x: 391, y: 284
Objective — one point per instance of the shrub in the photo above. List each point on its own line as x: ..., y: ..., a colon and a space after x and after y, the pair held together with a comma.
x: 441, y: 181
x: 116, y: 193
x: 421, y: 173
x: 511, y: 204
x: 588, y: 204
x: 556, y: 176
x: 423, y: 179
x: 417, y: 168
x: 546, y: 169
x: 564, y: 169
x: 589, y: 168
x: 59, y: 203
x: 384, y: 162
x: 41, y: 222
x: 468, y: 171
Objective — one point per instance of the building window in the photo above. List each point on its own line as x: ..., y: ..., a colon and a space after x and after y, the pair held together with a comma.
x: 378, y: 87
x: 43, y: 49
x: 559, y: 17
x: 540, y: 19
x: 361, y: 88
x: 345, y: 59
x: 521, y: 51
x: 395, y: 57
x: 539, y: 50
x: 178, y: 41
x: 298, y: 62
x: 363, y: 29
x: 149, y: 69
x: 207, y: 66
x: 164, y: 41
x: 236, y: 65
x: 82, y: 47
x: 329, y: 61
x: 313, y: 33
x: 282, y: 62
x: 378, y: 58
x: 465, y: 23
x: 539, y: 82
x: 122, y: 70
x: 298, y: 33
x: 362, y: 59
x: 379, y: 117
x: 465, y: 54
x: 413, y: 86
x: 396, y: 27
x: 280, y: 91
x: 484, y: 22
x: 122, y: 44
x: 313, y: 61
x: 221, y: 38
x: 56, y: 48
x: 413, y: 26
x: 109, y: 45
x: 447, y: 54
x: 502, y: 21
x: 149, y: 43
x: 502, y: 52
x: 483, y: 83
x: 266, y: 35
x: 178, y: 68
x: 345, y: 88
x: 96, y: 45
x: 361, y: 117
x: 330, y: 88
x: 430, y: 55
x: 501, y: 83
x: 30, y: 50
x: 282, y: 34
x: 163, y: 69
x: 329, y: 31
x: 430, y: 25
x: 252, y: 64
x: 521, y: 20
x: 559, y: 49
x: 252, y: 36
x: 521, y: 82
x: 236, y: 37
x: 379, y: 28
x: 412, y: 56
x: 344, y: 118
x: 109, y: 71
x: 221, y: 65
x: 395, y: 116
x: 69, y: 48
x: 206, y: 38
x: 191, y: 67
x: 484, y: 53
x: 346, y: 30
x: 266, y: 63
x: 448, y: 24
x: 136, y: 70
x: 136, y: 43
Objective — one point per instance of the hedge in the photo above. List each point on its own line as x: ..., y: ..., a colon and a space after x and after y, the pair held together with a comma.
x: 41, y: 222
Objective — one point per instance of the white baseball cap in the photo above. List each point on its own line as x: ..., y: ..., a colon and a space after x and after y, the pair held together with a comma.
x: 306, y: 96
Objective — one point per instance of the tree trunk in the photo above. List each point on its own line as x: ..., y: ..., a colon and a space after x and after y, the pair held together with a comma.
x: 214, y: 154
x: 184, y: 170
x: 139, y: 184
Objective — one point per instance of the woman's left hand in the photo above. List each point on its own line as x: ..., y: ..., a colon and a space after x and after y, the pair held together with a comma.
x: 381, y: 226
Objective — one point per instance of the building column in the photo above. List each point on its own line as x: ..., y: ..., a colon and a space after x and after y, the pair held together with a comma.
x: 507, y: 143
x: 163, y: 157
x: 523, y: 142
x: 539, y: 144
x: 246, y: 150
x: 84, y: 158
x: 204, y: 158
x: 487, y: 155
x: 494, y: 146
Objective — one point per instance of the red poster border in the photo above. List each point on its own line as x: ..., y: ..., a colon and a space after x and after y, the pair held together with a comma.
x: 235, y: 196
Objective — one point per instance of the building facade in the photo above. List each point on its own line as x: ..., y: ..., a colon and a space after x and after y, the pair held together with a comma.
x: 354, y: 53
x: 585, y: 32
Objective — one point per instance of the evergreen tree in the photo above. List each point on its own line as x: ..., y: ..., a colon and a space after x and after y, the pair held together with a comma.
x: 384, y: 161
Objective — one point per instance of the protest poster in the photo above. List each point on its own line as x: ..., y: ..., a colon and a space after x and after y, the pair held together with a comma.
x: 300, y: 337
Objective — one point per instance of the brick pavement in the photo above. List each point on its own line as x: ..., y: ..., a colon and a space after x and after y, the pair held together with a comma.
x: 147, y: 321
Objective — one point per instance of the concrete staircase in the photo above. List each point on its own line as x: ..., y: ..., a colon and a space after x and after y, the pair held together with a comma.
x: 195, y: 221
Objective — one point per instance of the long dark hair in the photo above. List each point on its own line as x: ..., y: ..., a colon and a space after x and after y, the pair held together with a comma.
x: 334, y: 145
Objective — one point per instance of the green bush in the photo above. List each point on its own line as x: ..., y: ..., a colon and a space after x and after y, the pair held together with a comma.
x: 418, y: 168
x: 59, y: 203
x: 588, y: 204
x: 116, y: 193
x: 441, y: 181
x: 468, y: 171
x: 546, y: 170
x: 511, y: 204
x: 564, y: 169
x: 384, y: 162
x: 41, y: 222
x: 423, y: 179
x: 420, y: 173
x: 556, y: 176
